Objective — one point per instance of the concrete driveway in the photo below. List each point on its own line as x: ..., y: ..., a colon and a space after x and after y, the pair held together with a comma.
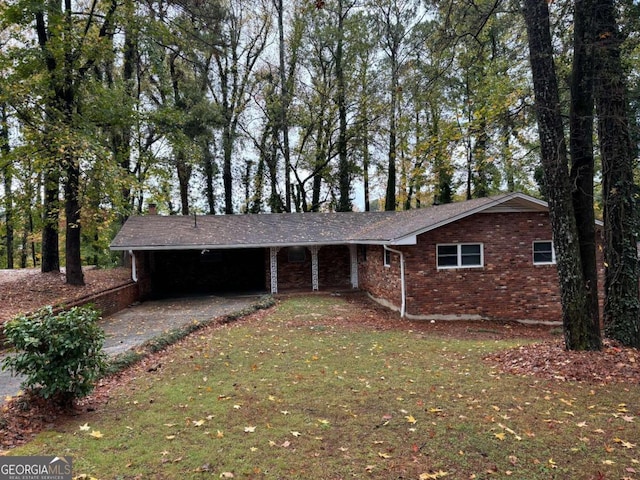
x: 133, y: 326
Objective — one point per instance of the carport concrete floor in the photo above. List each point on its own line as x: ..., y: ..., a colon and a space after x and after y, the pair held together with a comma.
x: 135, y: 325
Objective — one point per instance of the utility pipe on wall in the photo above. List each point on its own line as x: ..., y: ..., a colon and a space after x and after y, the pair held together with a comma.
x: 134, y: 270
x: 402, y: 281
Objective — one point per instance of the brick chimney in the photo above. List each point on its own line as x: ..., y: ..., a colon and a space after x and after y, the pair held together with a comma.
x: 153, y: 210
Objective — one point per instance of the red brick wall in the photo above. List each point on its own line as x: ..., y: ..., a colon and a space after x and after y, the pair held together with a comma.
x: 507, y: 287
x: 333, y: 269
x: 111, y: 301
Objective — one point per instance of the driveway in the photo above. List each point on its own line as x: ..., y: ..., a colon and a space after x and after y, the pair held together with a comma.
x: 133, y: 326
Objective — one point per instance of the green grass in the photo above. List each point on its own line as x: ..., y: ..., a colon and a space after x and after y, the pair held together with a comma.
x: 294, y: 395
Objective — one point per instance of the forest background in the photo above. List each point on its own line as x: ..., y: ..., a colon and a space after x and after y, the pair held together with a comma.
x: 250, y: 106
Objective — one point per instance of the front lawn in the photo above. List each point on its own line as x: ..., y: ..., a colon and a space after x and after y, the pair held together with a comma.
x: 312, y: 390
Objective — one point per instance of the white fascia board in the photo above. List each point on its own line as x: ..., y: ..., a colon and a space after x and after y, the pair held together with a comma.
x: 407, y: 240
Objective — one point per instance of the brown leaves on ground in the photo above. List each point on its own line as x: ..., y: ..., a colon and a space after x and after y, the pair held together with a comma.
x: 551, y: 360
x: 27, y: 290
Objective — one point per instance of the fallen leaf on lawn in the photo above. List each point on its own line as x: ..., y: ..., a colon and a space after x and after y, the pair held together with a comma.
x: 170, y: 425
x: 624, y: 443
x: 410, y: 419
x: 220, y: 434
x: 435, y: 410
x: 96, y: 434
x: 433, y: 476
x: 608, y: 462
x: 227, y: 475
x: 85, y: 427
x: 198, y: 423
x: 249, y: 429
x: 204, y: 468
x: 500, y: 436
x: 384, y: 455
x: 295, y: 434
x: 286, y: 444
x: 170, y: 437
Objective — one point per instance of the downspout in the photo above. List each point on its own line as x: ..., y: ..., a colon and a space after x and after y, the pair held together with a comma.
x: 134, y: 271
x: 403, y: 293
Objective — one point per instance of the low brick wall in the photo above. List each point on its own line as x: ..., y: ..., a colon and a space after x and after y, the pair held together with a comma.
x: 107, y: 302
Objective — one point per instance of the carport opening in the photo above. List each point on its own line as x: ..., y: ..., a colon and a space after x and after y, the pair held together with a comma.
x: 195, y: 272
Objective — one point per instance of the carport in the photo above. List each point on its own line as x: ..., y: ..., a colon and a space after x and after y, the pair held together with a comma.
x: 239, y: 253
x: 205, y: 271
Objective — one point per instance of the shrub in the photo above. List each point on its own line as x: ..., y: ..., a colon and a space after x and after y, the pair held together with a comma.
x: 60, y: 355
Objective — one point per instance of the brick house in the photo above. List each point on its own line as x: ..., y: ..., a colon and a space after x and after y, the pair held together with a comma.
x: 486, y: 258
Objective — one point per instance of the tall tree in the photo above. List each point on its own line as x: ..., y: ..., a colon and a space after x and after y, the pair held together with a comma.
x: 245, y: 36
x: 395, y: 21
x: 71, y: 40
x: 582, y: 158
x: 622, y: 305
x: 7, y: 169
x: 576, y: 307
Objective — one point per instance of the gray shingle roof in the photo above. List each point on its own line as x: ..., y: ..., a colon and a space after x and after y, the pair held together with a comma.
x: 285, y: 229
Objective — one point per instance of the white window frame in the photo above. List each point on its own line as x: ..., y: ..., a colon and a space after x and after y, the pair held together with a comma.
x: 459, y: 255
x: 533, y: 252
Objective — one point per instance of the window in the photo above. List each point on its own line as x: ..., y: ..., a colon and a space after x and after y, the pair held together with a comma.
x: 543, y: 253
x: 296, y: 254
x: 387, y: 257
x: 460, y: 255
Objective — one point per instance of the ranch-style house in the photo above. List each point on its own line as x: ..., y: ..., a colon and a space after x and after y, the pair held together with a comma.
x: 486, y: 258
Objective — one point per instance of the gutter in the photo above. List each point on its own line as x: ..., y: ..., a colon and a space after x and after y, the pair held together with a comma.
x: 134, y: 271
x: 403, y: 293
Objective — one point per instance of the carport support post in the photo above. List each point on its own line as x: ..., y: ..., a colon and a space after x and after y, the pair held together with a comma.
x: 314, y: 268
x: 273, y: 254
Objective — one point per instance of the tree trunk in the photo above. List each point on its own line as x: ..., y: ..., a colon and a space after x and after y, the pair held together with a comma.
x: 582, y: 160
x: 344, y: 174
x: 183, y: 169
x: 621, y: 306
x: 390, y: 198
x: 284, y: 107
x: 72, y: 212
x: 576, y: 309
x: 51, y: 215
x: 227, y: 180
x: 209, y: 171
x: 8, y: 180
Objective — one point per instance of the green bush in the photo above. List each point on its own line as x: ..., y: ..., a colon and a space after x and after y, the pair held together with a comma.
x: 60, y: 355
